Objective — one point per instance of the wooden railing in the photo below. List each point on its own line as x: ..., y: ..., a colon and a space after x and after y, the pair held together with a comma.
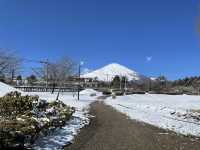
x: 47, y: 89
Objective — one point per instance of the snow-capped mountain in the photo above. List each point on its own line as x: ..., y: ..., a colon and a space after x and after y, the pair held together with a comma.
x: 153, y: 78
x: 107, y: 73
x: 85, y: 71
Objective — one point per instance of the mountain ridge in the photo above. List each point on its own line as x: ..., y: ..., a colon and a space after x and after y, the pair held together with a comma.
x: 108, y: 72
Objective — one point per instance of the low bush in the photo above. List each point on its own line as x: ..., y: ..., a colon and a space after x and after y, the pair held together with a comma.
x: 113, y: 96
x: 93, y: 94
x: 23, y: 118
x: 139, y: 92
x: 166, y: 92
x: 107, y: 92
x: 119, y: 93
x: 173, y: 93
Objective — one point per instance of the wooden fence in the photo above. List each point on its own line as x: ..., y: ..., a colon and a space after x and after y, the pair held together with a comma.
x: 47, y: 89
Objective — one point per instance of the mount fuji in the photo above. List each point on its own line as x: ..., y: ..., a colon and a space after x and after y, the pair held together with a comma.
x: 108, y: 72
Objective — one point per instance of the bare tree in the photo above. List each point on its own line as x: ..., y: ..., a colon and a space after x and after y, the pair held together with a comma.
x: 57, y: 72
x: 9, y: 63
x: 62, y: 69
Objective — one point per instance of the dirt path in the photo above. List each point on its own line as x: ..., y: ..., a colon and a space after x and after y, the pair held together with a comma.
x: 111, y: 130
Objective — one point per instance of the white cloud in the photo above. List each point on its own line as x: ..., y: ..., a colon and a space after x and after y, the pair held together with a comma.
x: 149, y: 58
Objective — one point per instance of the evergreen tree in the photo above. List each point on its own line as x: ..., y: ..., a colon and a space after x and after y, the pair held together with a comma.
x: 19, y: 77
x: 116, y: 82
x: 31, y: 79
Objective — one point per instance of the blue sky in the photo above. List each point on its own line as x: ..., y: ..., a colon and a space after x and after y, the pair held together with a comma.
x: 152, y: 37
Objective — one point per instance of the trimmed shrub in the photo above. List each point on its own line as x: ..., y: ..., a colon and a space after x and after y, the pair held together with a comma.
x: 107, y: 92
x: 23, y: 118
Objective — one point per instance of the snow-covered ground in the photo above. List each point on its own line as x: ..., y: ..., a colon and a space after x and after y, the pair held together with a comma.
x: 70, y: 98
x: 177, y: 113
x: 4, y: 89
x: 60, y: 137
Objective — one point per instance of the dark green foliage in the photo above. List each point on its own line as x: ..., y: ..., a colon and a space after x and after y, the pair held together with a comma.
x: 13, y: 104
x: 172, y: 92
x: 124, y: 81
x: 188, y: 81
x: 119, y: 93
x: 106, y: 92
x: 116, y: 82
x: 188, y: 85
x: 129, y: 92
x: 2, y: 77
x: 23, y: 118
x: 31, y: 79
x: 139, y: 92
x: 19, y: 77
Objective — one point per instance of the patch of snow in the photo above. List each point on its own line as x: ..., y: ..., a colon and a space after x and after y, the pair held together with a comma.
x: 153, y: 78
x: 108, y: 72
x: 4, y: 89
x: 19, y: 119
x: 88, y: 92
x: 164, y: 111
x: 60, y: 137
x: 70, y: 98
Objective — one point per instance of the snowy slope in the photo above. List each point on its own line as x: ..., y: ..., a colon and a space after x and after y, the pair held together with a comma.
x: 108, y: 72
x: 4, y: 89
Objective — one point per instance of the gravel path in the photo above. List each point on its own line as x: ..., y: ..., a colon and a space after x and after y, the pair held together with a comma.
x: 111, y: 130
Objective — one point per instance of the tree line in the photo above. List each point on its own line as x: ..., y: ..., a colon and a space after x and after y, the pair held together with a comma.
x: 56, y: 71
x: 161, y: 85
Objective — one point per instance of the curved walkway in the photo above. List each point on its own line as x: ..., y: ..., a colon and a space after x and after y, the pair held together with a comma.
x: 111, y: 130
